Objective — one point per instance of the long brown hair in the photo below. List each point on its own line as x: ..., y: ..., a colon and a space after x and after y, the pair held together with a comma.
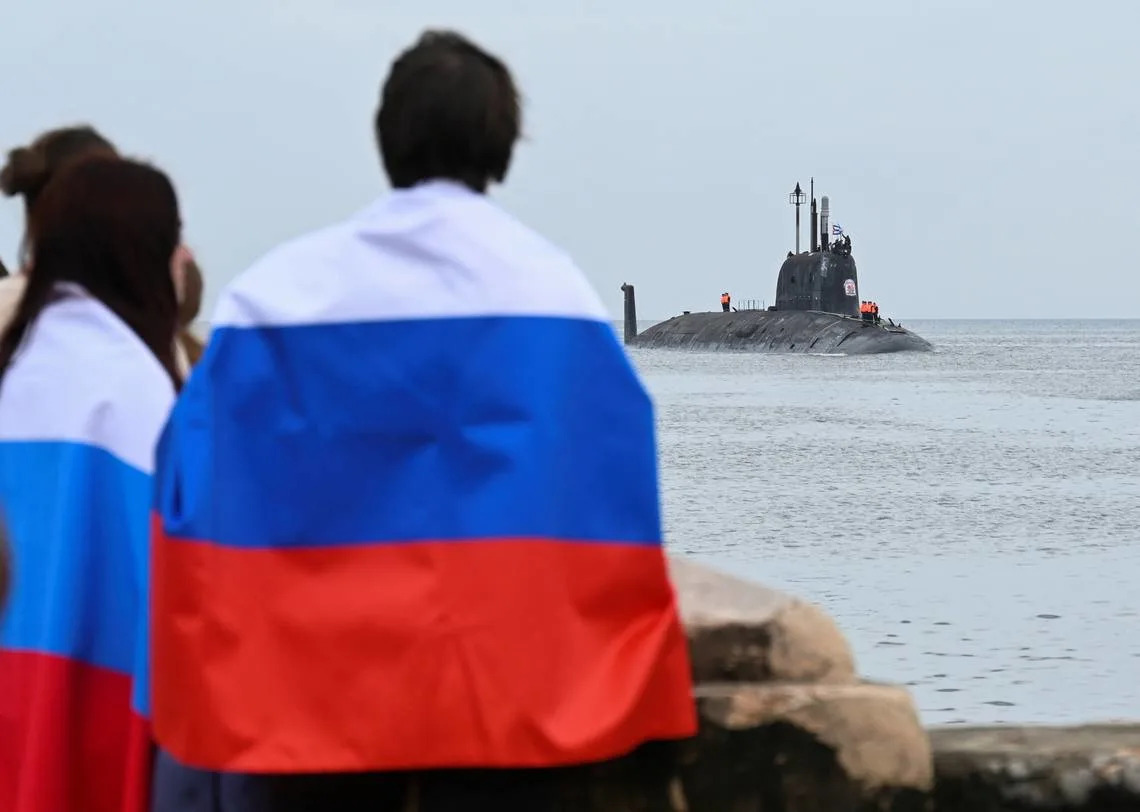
x: 110, y: 226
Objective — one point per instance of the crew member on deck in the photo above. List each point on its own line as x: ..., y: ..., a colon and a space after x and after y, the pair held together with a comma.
x: 865, y: 310
x: 875, y: 312
x: 725, y: 301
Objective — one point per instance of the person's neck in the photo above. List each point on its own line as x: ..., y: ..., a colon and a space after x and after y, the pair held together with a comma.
x: 445, y: 185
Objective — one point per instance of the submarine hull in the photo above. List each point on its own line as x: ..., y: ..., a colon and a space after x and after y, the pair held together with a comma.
x: 778, y: 331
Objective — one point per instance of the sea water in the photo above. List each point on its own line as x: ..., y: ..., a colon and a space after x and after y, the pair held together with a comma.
x: 969, y: 516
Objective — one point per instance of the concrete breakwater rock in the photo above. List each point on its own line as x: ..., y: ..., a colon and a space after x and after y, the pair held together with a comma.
x: 987, y: 769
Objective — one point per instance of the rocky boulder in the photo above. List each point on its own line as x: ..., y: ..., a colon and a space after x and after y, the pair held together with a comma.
x: 786, y: 724
x: 740, y: 631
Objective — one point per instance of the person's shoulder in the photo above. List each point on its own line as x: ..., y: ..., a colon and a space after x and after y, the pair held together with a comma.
x: 494, y: 235
x: 83, y: 375
x: 294, y: 266
x: 292, y: 256
x: 494, y: 226
x: 111, y: 369
x: 432, y: 250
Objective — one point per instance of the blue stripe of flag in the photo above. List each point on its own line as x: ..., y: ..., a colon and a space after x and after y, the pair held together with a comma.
x: 78, y: 522
x: 398, y: 431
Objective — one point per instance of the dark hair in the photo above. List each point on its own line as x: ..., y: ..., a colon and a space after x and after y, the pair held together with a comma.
x: 448, y: 109
x: 30, y: 168
x: 111, y: 226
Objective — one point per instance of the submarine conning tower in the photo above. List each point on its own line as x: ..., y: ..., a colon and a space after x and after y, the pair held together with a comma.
x: 826, y: 281
x: 823, y: 278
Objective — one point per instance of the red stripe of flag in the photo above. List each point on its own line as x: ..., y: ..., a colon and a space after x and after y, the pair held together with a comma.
x: 68, y: 738
x: 519, y: 652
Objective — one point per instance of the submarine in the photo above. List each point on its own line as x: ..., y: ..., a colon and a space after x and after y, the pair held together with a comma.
x: 816, y: 310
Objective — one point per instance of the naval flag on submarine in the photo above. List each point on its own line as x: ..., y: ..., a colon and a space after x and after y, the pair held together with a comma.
x: 407, y: 511
x: 81, y: 406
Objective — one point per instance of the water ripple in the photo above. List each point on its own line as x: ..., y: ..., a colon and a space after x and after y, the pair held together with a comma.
x: 974, y: 508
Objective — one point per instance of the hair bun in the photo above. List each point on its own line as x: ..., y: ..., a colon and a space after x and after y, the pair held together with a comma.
x: 26, y: 172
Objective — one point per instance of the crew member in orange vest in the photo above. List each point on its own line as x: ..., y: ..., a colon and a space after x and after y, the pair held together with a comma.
x: 865, y: 310
x: 725, y: 301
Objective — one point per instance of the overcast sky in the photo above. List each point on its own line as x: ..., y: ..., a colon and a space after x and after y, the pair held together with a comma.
x: 982, y: 154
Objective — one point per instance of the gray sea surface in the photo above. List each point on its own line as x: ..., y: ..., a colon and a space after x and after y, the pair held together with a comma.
x: 969, y: 516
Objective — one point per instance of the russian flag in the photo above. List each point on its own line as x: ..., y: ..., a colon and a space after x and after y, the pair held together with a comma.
x: 408, y: 512
x: 81, y: 407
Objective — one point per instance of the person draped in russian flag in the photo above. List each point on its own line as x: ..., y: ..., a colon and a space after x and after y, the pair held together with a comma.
x: 407, y: 504
x: 87, y: 379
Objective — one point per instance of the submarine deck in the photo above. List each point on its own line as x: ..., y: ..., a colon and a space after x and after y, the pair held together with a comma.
x: 795, y: 331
